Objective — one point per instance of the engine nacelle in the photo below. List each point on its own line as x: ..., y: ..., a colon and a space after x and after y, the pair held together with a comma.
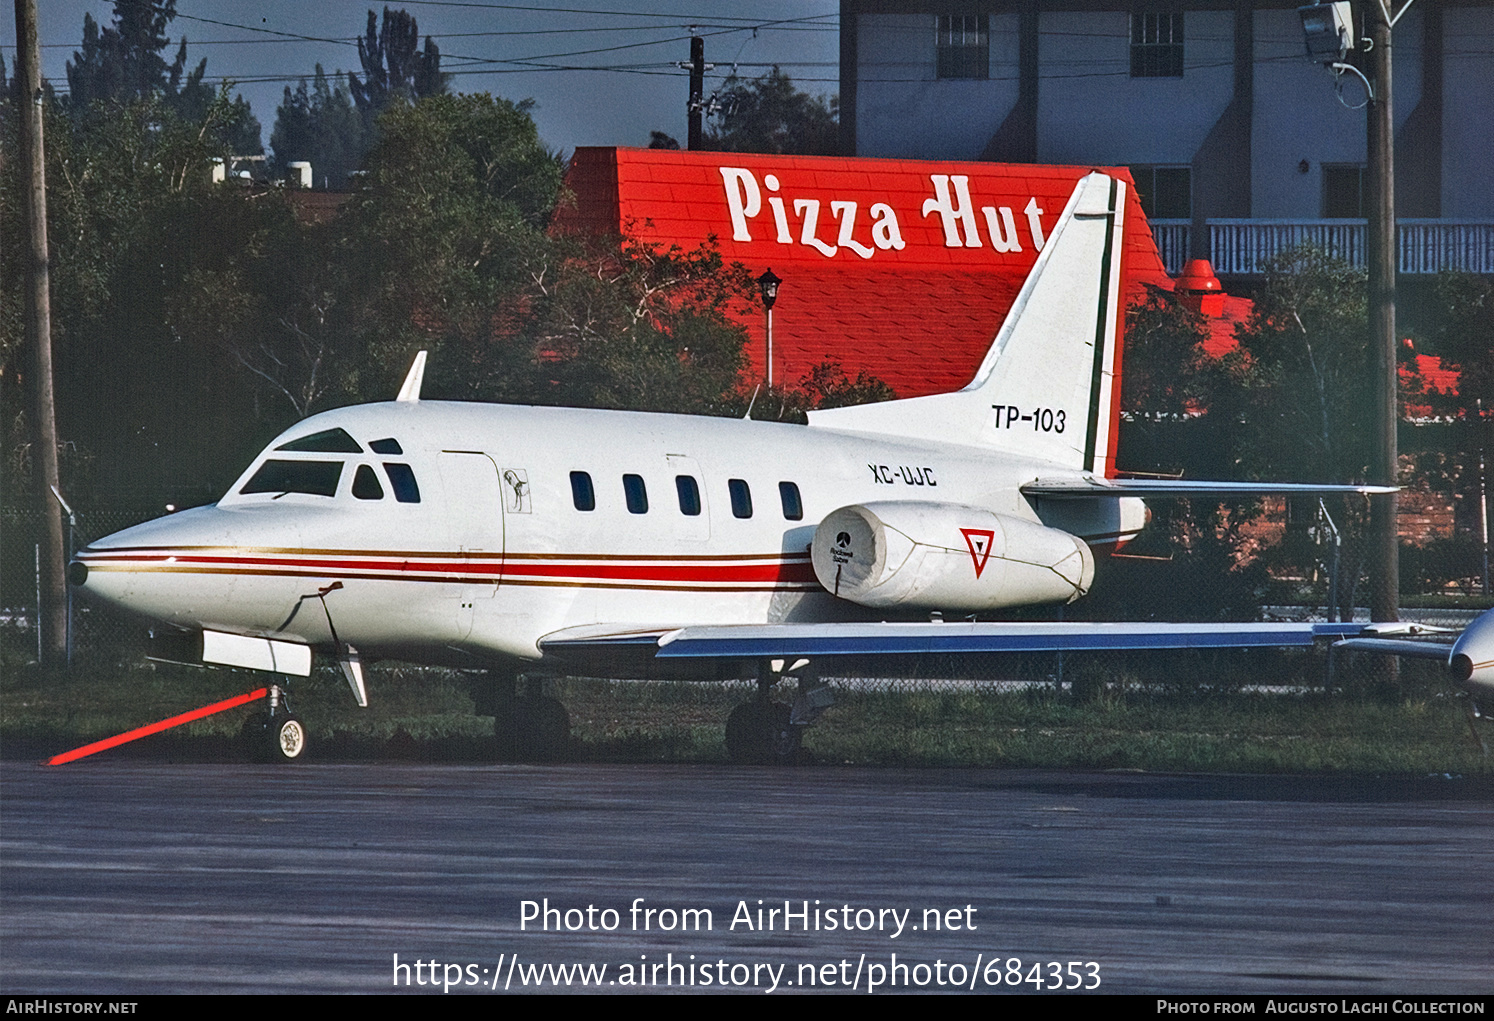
x: 941, y: 556
x: 1472, y: 658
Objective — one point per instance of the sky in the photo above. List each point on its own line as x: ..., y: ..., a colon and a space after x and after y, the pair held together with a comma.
x: 630, y: 50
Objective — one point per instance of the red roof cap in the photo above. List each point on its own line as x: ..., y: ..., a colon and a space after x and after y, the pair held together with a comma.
x: 1198, y: 275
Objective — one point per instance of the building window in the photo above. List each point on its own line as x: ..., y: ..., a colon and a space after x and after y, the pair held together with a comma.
x: 741, y: 498
x: 582, y: 495
x: 1166, y: 193
x: 1343, y: 192
x: 1157, y: 44
x: 636, y: 494
x: 963, y: 46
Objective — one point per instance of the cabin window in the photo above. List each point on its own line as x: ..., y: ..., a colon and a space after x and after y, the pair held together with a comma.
x: 386, y: 446
x: 403, y: 481
x: 582, y: 495
x: 636, y: 493
x: 793, y: 507
x: 366, y: 484
x: 318, y: 478
x: 741, y: 498
x: 329, y: 441
x: 689, y: 491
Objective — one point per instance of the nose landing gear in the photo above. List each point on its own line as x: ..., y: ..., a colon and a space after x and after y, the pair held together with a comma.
x: 275, y: 735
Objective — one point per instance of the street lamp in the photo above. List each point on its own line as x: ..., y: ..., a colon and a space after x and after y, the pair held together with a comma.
x: 768, y: 285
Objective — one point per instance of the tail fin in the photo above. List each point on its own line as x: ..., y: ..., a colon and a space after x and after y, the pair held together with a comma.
x: 1046, y: 388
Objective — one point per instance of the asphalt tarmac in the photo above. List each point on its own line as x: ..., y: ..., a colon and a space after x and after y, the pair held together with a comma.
x: 134, y: 878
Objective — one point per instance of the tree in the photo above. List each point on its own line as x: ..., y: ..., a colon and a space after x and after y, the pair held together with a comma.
x: 1464, y: 336
x: 124, y: 63
x: 393, y: 69
x: 1307, y: 412
x: 447, y: 249
x: 320, y: 126
x: 440, y: 236
x: 619, y: 324
x: 1178, y: 405
x: 767, y: 114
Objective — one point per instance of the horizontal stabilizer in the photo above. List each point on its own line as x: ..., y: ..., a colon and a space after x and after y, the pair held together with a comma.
x: 1085, y: 487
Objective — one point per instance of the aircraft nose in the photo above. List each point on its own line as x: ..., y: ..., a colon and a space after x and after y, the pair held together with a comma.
x: 137, y: 568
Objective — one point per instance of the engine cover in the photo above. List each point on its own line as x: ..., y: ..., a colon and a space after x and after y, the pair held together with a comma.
x: 941, y: 556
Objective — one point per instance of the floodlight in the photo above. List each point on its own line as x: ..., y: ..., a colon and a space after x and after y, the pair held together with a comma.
x: 1328, y: 31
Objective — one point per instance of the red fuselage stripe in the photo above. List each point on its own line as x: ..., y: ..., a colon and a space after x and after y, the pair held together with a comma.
x: 790, y: 570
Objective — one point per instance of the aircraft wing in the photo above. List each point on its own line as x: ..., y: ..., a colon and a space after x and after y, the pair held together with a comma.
x: 1078, y: 487
x: 741, y: 641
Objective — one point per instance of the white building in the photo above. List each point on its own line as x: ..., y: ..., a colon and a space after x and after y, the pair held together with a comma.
x: 1239, y: 144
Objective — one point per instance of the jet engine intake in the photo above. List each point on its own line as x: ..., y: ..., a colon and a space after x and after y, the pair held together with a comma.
x: 1472, y: 657
x: 940, y: 556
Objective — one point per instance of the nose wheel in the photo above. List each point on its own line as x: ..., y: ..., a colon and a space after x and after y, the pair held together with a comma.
x: 276, y: 735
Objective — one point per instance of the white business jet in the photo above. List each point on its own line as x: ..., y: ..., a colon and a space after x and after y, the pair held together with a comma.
x: 539, y: 539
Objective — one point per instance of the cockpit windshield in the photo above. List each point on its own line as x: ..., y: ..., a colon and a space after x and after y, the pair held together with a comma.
x: 328, y: 441
x: 318, y: 478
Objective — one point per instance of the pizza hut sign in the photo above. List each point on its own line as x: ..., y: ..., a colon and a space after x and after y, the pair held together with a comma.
x: 829, y: 228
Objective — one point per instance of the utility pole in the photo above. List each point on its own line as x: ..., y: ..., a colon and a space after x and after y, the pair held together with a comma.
x: 697, y: 91
x: 52, y: 588
x: 1381, y: 251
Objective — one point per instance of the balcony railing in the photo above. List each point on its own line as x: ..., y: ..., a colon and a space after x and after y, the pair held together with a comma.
x: 1242, y: 247
x: 1172, y: 243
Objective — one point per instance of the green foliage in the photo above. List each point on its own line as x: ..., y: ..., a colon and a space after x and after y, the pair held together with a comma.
x: 1465, y: 335
x: 1308, y: 409
x: 618, y: 324
x: 116, y: 174
x: 123, y: 64
x: 826, y: 385
x: 767, y: 114
x: 1178, y: 405
x: 318, y: 125
x: 393, y: 71
x: 441, y: 237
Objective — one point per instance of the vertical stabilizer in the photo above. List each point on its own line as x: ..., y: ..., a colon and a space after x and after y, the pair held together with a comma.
x: 1047, y: 386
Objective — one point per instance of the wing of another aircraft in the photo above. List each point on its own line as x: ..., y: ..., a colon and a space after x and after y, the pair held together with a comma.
x: 919, y: 638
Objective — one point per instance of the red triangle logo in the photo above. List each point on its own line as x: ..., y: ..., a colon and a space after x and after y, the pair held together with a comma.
x: 979, y: 542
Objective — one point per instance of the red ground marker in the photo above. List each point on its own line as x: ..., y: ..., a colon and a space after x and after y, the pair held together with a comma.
x: 156, y: 728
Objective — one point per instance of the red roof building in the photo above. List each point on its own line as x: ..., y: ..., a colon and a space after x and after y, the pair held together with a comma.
x: 904, y: 269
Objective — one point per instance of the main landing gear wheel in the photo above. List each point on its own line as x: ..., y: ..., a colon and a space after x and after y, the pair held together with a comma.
x: 532, y: 728
x: 275, y: 738
x: 544, y: 729
x: 759, y: 733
